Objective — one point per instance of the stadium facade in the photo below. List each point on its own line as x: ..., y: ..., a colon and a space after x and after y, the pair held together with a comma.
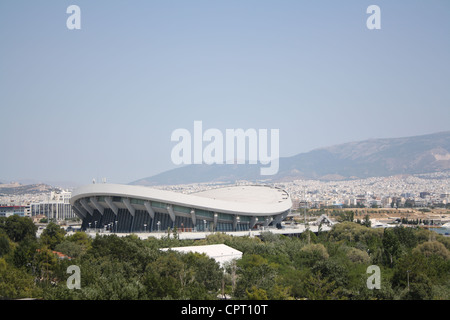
x: 130, y: 208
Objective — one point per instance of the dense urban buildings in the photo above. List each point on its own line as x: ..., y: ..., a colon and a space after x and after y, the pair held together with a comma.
x: 408, y: 191
x: 52, y: 205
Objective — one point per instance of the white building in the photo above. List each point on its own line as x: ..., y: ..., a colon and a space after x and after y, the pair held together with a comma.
x: 56, y: 207
x: 222, y: 253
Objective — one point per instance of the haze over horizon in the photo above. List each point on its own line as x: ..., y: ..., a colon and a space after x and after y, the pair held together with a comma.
x: 103, y: 101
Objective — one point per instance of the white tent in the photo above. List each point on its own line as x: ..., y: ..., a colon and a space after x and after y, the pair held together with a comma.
x: 219, y: 252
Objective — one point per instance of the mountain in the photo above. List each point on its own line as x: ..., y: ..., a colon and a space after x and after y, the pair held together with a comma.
x: 362, y: 159
x: 63, y: 184
x: 16, y: 188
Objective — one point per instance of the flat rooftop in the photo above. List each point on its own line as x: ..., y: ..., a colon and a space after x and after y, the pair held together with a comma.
x: 219, y: 252
x: 242, y: 200
x: 246, y: 194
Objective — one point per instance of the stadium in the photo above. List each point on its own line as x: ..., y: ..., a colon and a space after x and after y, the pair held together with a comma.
x: 131, y: 208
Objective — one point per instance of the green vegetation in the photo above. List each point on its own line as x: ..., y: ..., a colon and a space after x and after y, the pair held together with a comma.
x: 414, y: 264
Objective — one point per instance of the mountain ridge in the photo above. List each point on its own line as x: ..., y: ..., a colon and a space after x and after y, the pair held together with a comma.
x: 358, y: 159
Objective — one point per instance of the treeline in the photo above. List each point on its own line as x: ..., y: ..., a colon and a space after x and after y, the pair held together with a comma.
x: 419, y: 221
x: 414, y: 264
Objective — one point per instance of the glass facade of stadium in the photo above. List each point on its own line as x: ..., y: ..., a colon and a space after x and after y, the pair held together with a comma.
x: 125, y: 215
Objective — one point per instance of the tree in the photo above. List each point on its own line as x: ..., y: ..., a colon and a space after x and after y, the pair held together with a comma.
x: 391, y: 245
x: 353, y: 232
x: 433, y: 248
x: 318, y: 287
x: 18, y: 228
x: 130, y: 248
x: 309, y: 237
x: 167, y: 277
x: 207, y: 276
x: 332, y: 270
x: 5, y: 246
x: 256, y: 294
x: 358, y: 256
x: 254, y: 271
x: 313, y: 252
x: 46, y: 265
x: 16, y: 283
x: 69, y: 248
x: 367, y: 221
x: 52, y: 235
x: 347, y: 216
x: 406, y: 237
x: 82, y: 239
x: 24, y: 254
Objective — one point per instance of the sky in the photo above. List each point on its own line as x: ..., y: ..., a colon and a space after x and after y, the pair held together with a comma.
x: 102, y: 101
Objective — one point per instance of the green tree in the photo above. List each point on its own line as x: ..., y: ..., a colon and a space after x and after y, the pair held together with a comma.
x: 256, y: 294
x: 318, y: 287
x: 414, y: 275
x: 367, y: 221
x: 310, y: 254
x: 82, y: 239
x: 70, y: 248
x: 15, y: 283
x: 52, y: 235
x: 358, y: 256
x: 255, y: 271
x: 207, y: 275
x: 24, y: 254
x: 46, y: 265
x: 432, y: 248
x: 347, y: 216
x: 130, y: 248
x: 406, y: 237
x: 5, y: 246
x: 391, y: 245
x: 18, y: 228
x: 332, y: 270
x: 352, y: 232
x: 167, y: 277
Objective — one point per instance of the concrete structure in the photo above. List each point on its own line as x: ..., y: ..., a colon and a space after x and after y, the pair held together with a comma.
x: 129, y: 208
x: 56, y: 207
x: 222, y: 253
x: 7, y: 211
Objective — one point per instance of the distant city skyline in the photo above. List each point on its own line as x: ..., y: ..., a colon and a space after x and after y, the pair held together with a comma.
x: 103, y: 101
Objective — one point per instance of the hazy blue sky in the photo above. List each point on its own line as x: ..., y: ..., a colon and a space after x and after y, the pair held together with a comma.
x: 103, y: 101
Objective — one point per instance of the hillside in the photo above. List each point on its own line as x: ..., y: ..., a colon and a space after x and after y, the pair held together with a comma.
x: 362, y: 159
x: 18, y: 189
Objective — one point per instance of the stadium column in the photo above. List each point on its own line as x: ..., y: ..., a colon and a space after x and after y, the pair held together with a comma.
x: 97, y: 205
x: 281, y: 217
x: 216, y: 217
x: 235, y: 222
x: 131, y: 209
x: 267, y: 221
x: 253, y: 221
x: 87, y: 207
x: 193, y: 217
x: 150, y: 210
x: 111, y: 204
x: 127, y: 204
x: 171, y: 213
x: 81, y: 212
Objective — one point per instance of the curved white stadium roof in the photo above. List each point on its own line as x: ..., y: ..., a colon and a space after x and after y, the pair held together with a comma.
x: 242, y: 200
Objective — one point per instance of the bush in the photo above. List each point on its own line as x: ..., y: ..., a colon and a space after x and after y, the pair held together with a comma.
x: 310, y: 254
x: 433, y: 248
x: 358, y: 256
